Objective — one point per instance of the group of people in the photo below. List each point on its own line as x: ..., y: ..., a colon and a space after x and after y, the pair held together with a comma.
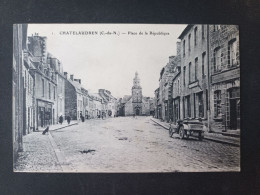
x: 82, y: 118
x: 61, y: 119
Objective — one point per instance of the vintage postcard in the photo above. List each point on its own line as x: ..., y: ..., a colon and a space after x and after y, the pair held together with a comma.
x: 126, y: 98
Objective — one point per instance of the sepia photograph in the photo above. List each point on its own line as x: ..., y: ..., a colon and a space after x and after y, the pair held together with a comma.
x: 126, y: 98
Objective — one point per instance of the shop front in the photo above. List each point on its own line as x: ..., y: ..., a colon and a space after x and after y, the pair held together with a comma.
x: 234, y: 108
x: 44, y: 113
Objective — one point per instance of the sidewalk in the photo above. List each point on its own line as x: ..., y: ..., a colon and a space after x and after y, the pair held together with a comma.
x: 226, y: 138
x: 59, y: 126
x: 41, y: 154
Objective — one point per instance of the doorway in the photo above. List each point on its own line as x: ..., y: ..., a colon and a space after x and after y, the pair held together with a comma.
x: 41, y: 116
x: 137, y: 112
x: 234, y: 107
x: 233, y: 114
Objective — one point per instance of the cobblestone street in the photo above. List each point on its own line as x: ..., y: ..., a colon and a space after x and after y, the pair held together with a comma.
x: 127, y: 144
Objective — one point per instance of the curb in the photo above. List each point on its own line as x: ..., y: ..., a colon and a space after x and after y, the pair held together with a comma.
x: 64, y: 126
x: 221, y: 141
x: 65, y: 166
x: 167, y: 128
x: 227, y: 134
x: 205, y: 137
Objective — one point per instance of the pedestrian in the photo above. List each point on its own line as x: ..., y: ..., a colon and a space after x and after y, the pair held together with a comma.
x: 68, y: 119
x: 81, y: 117
x: 61, y: 119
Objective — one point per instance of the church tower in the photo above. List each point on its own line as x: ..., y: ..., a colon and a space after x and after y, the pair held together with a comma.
x: 137, y: 95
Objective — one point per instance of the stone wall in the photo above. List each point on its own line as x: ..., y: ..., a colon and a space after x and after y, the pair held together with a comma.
x: 70, y: 100
x: 225, y: 74
x: 128, y: 108
x: 194, y: 66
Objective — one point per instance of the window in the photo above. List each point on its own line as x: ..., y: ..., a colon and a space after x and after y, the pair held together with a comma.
x: 183, y: 48
x: 232, y: 53
x: 202, y: 64
x: 216, y: 28
x: 188, y: 106
x: 221, y: 61
x: 184, y: 112
x: 195, y: 36
x: 49, y: 91
x: 178, y: 86
x: 202, y: 31
x: 25, y: 79
x: 42, y: 88
x: 184, y: 72
x: 217, y: 59
x: 28, y: 82
x: 217, y: 104
x: 54, y: 94
x: 196, y: 69
x: 200, y: 104
x: 189, y: 41
x: 190, y: 72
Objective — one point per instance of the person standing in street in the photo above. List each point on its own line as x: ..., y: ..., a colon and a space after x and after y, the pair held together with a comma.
x: 81, y: 117
x: 68, y: 119
x: 61, y: 119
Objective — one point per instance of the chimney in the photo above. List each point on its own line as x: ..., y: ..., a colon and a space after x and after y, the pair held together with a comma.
x: 71, y: 77
x: 66, y: 75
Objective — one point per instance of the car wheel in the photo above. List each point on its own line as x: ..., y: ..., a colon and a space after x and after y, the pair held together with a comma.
x: 181, y: 132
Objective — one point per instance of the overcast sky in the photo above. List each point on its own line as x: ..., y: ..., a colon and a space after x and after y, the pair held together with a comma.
x: 110, y: 61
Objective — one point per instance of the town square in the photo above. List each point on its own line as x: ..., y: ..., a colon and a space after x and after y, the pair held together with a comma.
x: 130, y: 108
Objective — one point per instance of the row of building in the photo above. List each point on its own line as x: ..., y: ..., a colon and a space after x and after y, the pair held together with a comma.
x: 203, y: 79
x: 42, y: 92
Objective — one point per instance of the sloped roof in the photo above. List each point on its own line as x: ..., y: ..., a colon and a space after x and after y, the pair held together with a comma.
x: 76, y: 84
x: 126, y: 98
x: 184, y: 32
x: 96, y: 95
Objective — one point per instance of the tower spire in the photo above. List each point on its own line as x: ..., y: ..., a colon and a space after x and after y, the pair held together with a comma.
x: 136, y: 80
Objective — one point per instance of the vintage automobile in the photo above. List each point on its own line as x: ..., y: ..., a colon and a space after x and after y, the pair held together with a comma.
x: 188, y: 127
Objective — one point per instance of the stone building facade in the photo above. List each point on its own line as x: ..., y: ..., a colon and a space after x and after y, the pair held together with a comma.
x: 59, y: 92
x: 73, y: 97
x: 85, y: 97
x: 19, y: 45
x: 205, y: 79
x: 109, y: 101
x: 29, y: 103
x: 225, y: 77
x: 45, y: 82
x: 165, y: 90
x: 156, y: 104
x: 97, y: 105
x: 176, y: 87
x: 136, y: 104
x: 194, y: 72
